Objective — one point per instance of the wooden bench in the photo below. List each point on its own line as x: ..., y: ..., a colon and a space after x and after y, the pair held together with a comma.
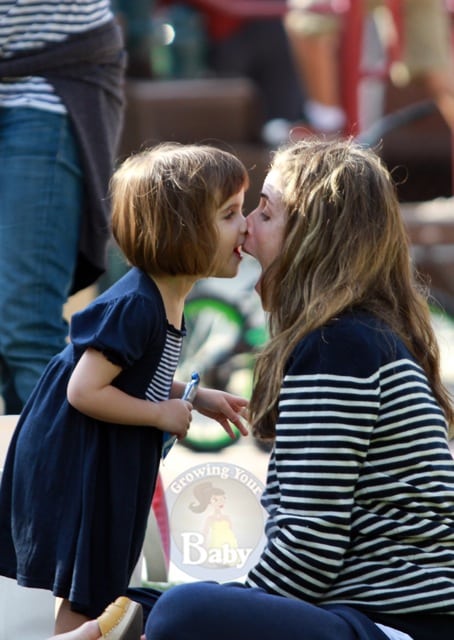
x: 225, y: 112
x: 430, y: 228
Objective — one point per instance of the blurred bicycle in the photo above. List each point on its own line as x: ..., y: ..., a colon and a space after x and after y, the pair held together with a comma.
x: 225, y: 326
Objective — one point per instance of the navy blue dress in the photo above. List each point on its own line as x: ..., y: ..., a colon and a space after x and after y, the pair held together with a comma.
x: 76, y: 492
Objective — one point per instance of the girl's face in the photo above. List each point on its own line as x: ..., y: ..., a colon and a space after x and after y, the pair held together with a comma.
x: 231, y: 226
x: 265, y: 224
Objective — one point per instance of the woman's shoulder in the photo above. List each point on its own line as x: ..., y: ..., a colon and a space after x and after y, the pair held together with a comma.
x: 352, y: 343
x: 357, y: 329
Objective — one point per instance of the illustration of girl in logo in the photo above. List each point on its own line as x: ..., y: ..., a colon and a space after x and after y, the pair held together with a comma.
x: 217, y: 530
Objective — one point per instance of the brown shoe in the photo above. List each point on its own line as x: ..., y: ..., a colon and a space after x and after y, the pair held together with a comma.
x: 122, y: 620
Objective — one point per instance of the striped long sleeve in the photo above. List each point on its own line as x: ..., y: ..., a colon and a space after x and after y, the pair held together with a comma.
x: 360, y: 489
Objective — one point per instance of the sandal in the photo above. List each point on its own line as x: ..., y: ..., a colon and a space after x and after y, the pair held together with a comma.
x: 122, y: 620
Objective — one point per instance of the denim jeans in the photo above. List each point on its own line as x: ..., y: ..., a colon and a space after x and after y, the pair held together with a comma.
x: 41, y: 191
x: 206, y: 610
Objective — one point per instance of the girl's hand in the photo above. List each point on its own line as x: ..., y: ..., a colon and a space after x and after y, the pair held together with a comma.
x: 224, y: 408
x: 174, y: 416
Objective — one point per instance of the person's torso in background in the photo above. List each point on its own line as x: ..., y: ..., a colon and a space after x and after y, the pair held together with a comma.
x: 33, y: 24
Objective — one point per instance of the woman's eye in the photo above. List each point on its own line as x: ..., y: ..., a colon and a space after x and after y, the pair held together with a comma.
x: 263, y: 209
x: 264, y: 212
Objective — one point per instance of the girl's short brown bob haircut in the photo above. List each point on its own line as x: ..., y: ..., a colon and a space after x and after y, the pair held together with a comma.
x: 164, y: 201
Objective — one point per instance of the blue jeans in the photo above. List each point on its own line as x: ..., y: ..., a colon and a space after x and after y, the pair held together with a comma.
x: 204, y: 610
x: 41, y: 192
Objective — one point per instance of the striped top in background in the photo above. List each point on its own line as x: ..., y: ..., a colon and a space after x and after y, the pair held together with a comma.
x: 360, y: 490
x: 32, y: 24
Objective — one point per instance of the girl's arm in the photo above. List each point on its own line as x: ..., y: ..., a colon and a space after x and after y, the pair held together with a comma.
x: 218, y: 405
x: 91, y: 392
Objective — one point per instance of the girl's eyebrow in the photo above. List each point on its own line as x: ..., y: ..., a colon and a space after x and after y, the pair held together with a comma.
x: 263, y: 195
x: 229, y: 204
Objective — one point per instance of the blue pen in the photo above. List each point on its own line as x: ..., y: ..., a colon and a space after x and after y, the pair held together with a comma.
x: 191, y: 388
x: 189, y: 394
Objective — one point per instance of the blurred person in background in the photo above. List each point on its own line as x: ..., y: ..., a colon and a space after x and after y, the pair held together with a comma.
x: 250, y: 41
x: 61, y: 99
x: 135, y: 17
x: 313, y: 28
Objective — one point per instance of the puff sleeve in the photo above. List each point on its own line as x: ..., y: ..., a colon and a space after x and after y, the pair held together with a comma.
x: 121, y: 329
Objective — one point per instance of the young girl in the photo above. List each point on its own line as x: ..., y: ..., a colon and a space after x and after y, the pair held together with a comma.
x: 82, y: 465
x: 360, y: 488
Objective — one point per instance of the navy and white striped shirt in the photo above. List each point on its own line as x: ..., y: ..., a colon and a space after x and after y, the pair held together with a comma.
x: 360, y: 489
x: 32, y: 24
x: 161, y: 384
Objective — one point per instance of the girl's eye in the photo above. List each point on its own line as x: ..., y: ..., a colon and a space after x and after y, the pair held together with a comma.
x: 232, y: 213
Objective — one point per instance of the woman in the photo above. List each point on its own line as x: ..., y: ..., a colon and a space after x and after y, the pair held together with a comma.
x: 360, y: 488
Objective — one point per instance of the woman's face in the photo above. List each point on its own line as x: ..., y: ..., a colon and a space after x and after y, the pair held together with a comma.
x: 265, y: 224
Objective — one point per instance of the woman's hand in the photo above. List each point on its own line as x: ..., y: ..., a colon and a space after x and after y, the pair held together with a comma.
x: 223, y: 407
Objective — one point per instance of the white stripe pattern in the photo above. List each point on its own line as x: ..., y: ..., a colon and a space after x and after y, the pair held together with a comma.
x: 360, y: 490
x: 32, y: 24
x: 161, y: 383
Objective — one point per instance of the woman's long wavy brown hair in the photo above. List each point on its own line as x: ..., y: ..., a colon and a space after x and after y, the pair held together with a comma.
x: 345, y: 246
